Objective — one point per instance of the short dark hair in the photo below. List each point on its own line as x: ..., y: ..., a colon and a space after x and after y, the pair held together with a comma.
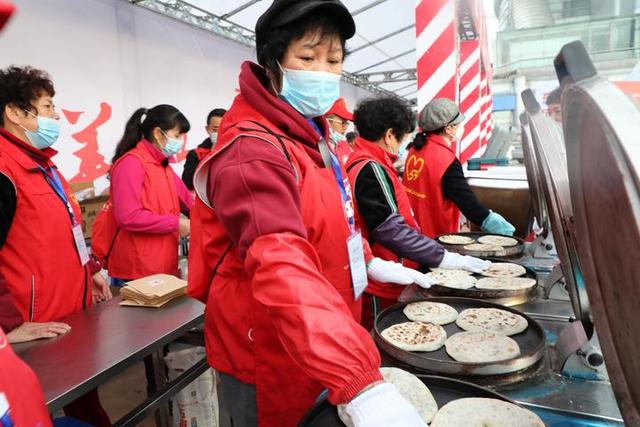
x: 374, y: 116
x: 351, y: 136
x: 22, y: 86
x: 216, y: 112
x: 554, y: 96
x: 278, y: 39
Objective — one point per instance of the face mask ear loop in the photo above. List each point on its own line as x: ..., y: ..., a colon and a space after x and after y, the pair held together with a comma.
x: 273, y: 86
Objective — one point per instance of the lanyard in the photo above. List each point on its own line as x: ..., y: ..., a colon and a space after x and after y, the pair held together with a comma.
x: 330, y: 159
x: 54, y: 181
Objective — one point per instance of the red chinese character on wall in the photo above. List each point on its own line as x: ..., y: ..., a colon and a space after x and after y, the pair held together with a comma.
x: 92, y: 163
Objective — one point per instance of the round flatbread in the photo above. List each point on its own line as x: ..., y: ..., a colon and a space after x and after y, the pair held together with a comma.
x: 415, y: 336
x: 505, y: 283
x: 491, y: 320
x: 481, y: 347
x: 504, y: 269
x: 446, y: 271
x: 498, y: 241
x: 459, y: 282
x: 457, y: 279
x: 456, y: 239
x: 482, y: 411
x: 482, y: 247
x: 410, y: 387
x: 430, y: 312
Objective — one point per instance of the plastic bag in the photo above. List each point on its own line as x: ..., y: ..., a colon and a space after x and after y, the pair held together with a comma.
x: 197, y: 404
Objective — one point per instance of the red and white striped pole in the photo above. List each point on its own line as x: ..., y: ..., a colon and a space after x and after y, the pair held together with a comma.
x: 436, y: 50
x: 486, y: 116
x: 470, y: 98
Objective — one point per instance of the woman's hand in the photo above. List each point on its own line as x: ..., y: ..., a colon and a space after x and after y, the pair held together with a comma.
x: 184, y: 227
x: 100, y: 291
x: 30, y: 331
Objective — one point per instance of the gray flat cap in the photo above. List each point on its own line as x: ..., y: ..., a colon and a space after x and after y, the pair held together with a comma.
x: 438, y: 113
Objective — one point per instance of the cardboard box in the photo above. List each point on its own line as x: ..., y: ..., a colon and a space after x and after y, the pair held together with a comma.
x: 89, y: 209
x: 83, y: 190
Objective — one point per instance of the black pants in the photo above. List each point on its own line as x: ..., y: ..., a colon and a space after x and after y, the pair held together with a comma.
x: 240, y: 400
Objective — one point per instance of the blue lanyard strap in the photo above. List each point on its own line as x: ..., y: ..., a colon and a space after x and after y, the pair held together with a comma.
x: 330, y: 159
x: 54, y: 182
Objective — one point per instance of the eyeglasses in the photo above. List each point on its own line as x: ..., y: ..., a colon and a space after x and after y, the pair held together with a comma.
x: 340, y: 122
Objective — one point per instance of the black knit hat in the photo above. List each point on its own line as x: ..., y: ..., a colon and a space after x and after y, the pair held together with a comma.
x: 283, y: 12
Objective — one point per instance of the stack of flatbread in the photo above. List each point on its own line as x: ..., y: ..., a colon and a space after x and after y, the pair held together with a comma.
x: 415, y: 336
x: 152, y: 291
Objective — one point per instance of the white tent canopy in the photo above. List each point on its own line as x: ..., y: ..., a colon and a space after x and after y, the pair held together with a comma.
x: 383, y: 49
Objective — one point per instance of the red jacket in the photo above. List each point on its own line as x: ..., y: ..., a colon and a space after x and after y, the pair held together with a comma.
x: 423, y: 174
x: 137, y: 254
x: 364, y: 153
x: 21, y: 399
x: 269, y: 220
x: 39, y: 260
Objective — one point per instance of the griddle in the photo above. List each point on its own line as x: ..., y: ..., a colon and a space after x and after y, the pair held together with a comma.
x: 602, y: 124
x: 508, y: 297
x: 444, y: 390
x: 511, y: 251
x: 531, y: 342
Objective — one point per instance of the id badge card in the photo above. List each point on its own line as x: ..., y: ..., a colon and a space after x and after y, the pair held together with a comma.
x: 357, y: 265
x: 81, y: 246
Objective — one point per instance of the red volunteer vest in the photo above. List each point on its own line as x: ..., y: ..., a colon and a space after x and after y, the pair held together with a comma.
x: 423, y: 174
x: 21, y: 399
x: 39, y: 260
x: 240, y: 338
x: 134, y: 254
x: 366, y: 152
x: 343, y: 150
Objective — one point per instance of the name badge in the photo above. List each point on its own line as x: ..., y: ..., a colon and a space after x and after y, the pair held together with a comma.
x: 81, y: 246
x: 357, y: 265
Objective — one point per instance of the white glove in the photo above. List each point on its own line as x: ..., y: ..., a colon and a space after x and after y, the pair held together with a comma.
x: 396, y: 273
x: 383, y: 406
x: 388, y: 272
x: 419, y: 279
x: 454, y: 261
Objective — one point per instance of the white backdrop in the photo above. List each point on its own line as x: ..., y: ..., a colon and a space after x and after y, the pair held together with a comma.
x: 107, y: 58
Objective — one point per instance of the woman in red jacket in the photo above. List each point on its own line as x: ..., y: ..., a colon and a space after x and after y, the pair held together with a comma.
x: 148, y: 196
x: 383, y: 210
x: 274, y: 251
x: 434, y: 179
x: 43, y: 256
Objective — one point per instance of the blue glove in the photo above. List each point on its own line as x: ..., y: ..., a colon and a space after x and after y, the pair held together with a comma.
x: 495, y: 223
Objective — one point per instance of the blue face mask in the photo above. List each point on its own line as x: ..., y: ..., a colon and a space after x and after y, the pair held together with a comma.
x: 172, y: 147
x: 311, y: 93
x: 213, y: 138
x: 47, y: 133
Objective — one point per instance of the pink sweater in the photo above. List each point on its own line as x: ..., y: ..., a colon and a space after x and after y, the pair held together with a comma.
x: 126, y: 194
